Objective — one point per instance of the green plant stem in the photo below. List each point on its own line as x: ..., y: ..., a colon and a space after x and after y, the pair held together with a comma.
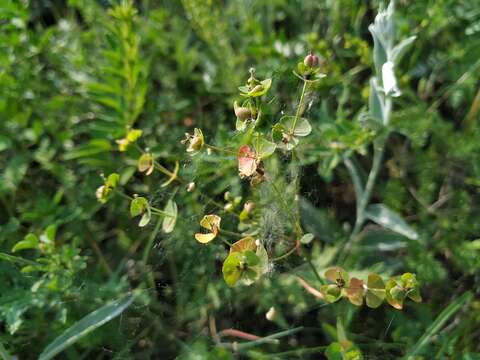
x: 216, y: 148
x: 378, y: 150
x: 314, y: 269
x: 151, y: 239
x: 231, y: 233
x: 300, y: 106
x: 226, y: 242
x: 147, y: 249
x: 286, y: 255
x: 154, y: 210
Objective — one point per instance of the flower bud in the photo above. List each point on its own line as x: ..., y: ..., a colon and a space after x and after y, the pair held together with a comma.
x: 311, y: 61
x: 194, y: 142
x: 249, y: 206
x: 228, y: 207
x: 271, y: 314
x: 100, y: 193
x: 191, y: 187
x: 226, y: 196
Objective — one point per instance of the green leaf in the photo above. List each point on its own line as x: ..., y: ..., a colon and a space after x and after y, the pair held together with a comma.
x: 112, y: 180
x: 302, y: 126
x: 262, y: 254
x: 286, y: 135
x: 133, y: 135
x: 376, y: 103
x: 334, y: 351
x: 433, y: 329
x: 5, y: 142
x: 48, y: 237
x: 307, y: 239
x: 263, y: 147
x: 399, y: 50
x: 169, y: 222
x: 138, y: 206
x: 337, y: 274
x: 317, y: 221
x: 146, y: 217
x: 85, y: 326
x: 29, y: 242
x: 389, y: 219
x: 395, y: 295
x: 375, y: 291
x: 251, y: 257
x: 332, y: 292
x: 232, y: 268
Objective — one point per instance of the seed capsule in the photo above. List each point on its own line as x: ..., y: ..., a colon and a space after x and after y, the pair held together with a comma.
x: 243, y: 113
x: 191, y: 187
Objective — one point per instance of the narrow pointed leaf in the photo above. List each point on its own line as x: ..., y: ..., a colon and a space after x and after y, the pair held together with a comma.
x: 433, y: 329
x: 85, y: 326
x: 382, y: 215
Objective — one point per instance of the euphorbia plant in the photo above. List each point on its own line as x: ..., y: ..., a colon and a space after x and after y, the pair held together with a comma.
x: 264, y: 137
x: 248, y: 258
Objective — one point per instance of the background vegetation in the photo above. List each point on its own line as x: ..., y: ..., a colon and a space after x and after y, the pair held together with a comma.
x: 75, y: 73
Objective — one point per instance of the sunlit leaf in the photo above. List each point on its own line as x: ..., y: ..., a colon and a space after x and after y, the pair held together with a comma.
x: 145, y: 163
x: 394, y: 294
x: 337, y: 275
x: 307, y: 239
x: 205, y: 238
x: 138, y: 205
x: 382, y: 215
x: 133, y: 135
x: 258, y: 90
x: 29, y: 242
x: 375, y: 291
x: 355, y: 291
x: 212, y: 223
x: 169, y: 222
x: 232, y: 268
x: 263, y: 147
x: 112, y: 180
x: 174, y: 175
x: 244, y: 244
x: 146, y: 217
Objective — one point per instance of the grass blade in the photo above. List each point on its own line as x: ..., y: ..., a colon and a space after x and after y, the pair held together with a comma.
x: 4, y: 355
x: 267, y: 339
x: 85, y: 326
x: 17, y: 260
x: 446, y: 314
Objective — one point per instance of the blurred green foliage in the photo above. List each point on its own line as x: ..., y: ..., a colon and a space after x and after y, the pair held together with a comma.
x: 74, y: 75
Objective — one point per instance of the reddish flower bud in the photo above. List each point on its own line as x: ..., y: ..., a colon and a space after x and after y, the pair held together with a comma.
x: 311, y: 60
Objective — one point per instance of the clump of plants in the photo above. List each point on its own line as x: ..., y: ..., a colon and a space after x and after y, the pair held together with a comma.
x: 262, y: 137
